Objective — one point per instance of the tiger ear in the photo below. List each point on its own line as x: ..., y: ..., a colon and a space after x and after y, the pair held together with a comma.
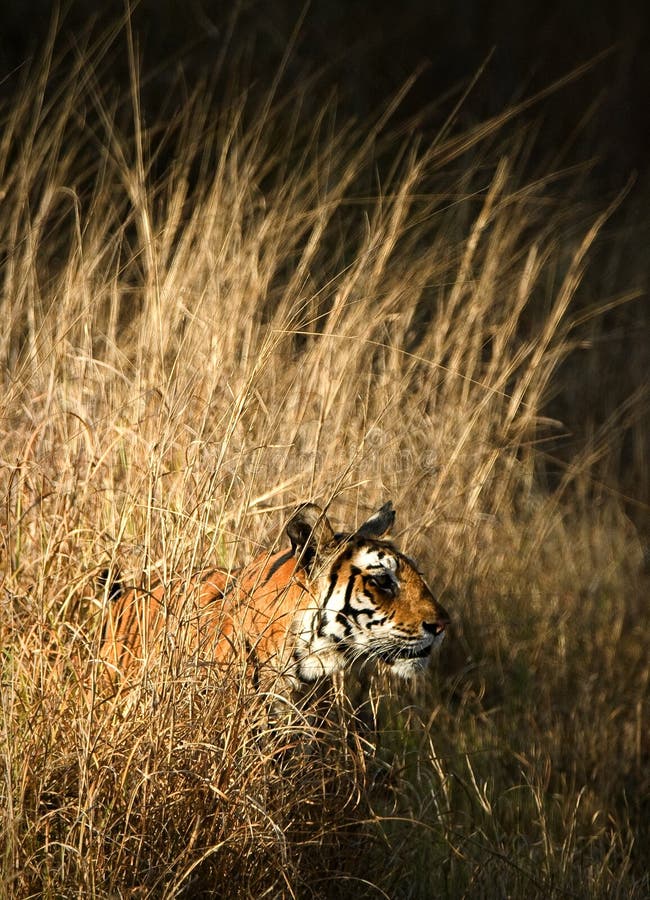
x: 309, y: 531
x: 379, y: 524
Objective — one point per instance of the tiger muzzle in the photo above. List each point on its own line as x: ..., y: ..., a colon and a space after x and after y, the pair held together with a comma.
x: 439, y: 625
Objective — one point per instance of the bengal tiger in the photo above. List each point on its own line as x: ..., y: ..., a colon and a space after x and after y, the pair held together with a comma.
x: 331, y: 601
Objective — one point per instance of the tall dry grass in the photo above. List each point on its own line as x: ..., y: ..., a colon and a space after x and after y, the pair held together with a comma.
x: 208, y: 321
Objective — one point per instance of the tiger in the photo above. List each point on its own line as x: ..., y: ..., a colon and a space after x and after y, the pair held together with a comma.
x: 329, y: 602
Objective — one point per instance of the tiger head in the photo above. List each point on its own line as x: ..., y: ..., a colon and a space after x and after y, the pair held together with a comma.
x: 371, y: 602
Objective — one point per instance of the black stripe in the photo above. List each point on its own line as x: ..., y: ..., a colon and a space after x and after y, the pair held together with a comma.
x: 333, y: 582
x: 322, y: 612
x: 343, y: 617
x: 354, y: 572
x: 280, y: 561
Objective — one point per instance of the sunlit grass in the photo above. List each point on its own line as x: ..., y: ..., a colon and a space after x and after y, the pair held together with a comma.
x: 203, y: 326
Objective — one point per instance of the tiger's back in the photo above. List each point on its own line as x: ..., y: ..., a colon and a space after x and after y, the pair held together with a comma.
x: 215, y: 616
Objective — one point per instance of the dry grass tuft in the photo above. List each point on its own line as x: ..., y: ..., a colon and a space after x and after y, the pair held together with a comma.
x: 207, y: 323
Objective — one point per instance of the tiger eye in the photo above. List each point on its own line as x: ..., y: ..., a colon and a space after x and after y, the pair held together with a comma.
x: 384, y: 582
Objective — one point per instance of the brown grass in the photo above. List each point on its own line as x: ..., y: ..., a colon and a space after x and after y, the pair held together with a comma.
x: 207, y: 323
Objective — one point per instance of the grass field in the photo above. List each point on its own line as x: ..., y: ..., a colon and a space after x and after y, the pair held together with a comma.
x: 208, y: 321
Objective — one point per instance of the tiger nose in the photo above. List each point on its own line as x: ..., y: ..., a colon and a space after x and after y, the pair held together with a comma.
x: 439, y: 625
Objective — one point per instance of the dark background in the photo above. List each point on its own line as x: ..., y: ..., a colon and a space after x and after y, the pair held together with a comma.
x: 364, y: 51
